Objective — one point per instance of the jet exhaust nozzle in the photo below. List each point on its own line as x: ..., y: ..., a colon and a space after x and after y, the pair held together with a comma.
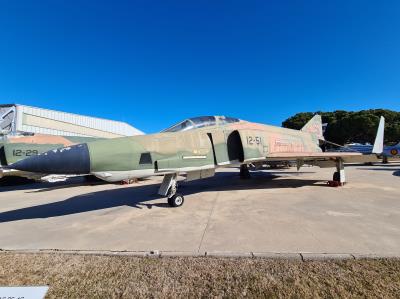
x: 67, y: 160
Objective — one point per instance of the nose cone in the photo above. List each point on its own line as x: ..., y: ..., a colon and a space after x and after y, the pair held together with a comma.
x: 67, y: 160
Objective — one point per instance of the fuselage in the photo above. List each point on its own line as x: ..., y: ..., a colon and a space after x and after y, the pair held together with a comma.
x: 193, y: 150
x: 195, y: 146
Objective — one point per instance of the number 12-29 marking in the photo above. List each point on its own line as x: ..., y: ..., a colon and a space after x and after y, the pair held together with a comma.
x: 28, y: 153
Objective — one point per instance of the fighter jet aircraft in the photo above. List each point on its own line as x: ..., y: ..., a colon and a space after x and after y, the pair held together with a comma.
x: 196, y: 147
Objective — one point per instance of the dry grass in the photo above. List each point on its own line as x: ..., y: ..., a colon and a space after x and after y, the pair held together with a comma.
x: 90, y: 276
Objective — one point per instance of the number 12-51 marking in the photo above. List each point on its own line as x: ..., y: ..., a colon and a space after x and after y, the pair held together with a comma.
x: 251, y: 140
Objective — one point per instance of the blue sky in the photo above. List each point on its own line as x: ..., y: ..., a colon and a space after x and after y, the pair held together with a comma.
x: 152, y: 63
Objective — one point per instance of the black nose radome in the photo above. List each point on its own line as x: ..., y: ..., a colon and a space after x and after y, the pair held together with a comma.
x: 67, y: 160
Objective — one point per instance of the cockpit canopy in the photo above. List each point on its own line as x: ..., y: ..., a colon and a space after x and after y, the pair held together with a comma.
x: 199, y: 122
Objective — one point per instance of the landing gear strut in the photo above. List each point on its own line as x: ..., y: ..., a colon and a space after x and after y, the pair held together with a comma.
x: 339, y: 177
x: 169, y: 188
x: 244, y: 172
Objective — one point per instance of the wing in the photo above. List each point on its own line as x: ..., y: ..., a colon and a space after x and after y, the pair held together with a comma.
x: 316, y: 157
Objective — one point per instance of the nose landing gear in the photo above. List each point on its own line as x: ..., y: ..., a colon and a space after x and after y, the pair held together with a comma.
x: 169, y: 188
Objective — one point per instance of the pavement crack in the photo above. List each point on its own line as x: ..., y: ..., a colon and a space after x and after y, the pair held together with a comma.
x: 208, y: 221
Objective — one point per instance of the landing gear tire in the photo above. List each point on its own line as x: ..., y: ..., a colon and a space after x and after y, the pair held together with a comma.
x: 336, y: 176
x: 244, y: 172
x: 176, y: 200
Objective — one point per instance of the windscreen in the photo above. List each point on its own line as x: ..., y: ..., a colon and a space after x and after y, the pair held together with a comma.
x: 182, y: 126
x: 203, y: 121
x: 199, y: 122
x: 228, y: 120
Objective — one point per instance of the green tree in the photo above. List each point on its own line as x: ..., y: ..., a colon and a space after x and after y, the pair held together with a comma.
x: 352, y: 126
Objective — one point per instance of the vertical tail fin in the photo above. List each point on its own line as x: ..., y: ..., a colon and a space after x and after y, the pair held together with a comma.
x: 378, y: 144
x: 314, y: 126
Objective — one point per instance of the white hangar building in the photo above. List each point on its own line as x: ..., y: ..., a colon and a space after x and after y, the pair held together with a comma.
x: 16, y: 118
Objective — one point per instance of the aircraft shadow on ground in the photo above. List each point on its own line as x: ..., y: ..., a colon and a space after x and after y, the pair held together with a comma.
x: 139, y: 196
x: 71, y: 182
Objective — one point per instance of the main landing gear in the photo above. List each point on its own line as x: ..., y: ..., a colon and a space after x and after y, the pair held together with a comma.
x: 339, y: 177
x: 169, y: 188
x: 244, y: 172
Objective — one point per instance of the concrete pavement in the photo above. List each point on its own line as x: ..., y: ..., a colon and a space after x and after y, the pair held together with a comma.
x: 281, y: 211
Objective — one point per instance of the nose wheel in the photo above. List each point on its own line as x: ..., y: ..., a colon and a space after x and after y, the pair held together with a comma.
x: 176, y: 200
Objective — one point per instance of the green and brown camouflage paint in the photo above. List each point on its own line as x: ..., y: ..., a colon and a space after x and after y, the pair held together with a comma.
x: 201, y: 148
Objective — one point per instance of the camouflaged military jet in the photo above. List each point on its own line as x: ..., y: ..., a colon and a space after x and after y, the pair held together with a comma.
x: 195, y: 147
x: 20, y: 146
